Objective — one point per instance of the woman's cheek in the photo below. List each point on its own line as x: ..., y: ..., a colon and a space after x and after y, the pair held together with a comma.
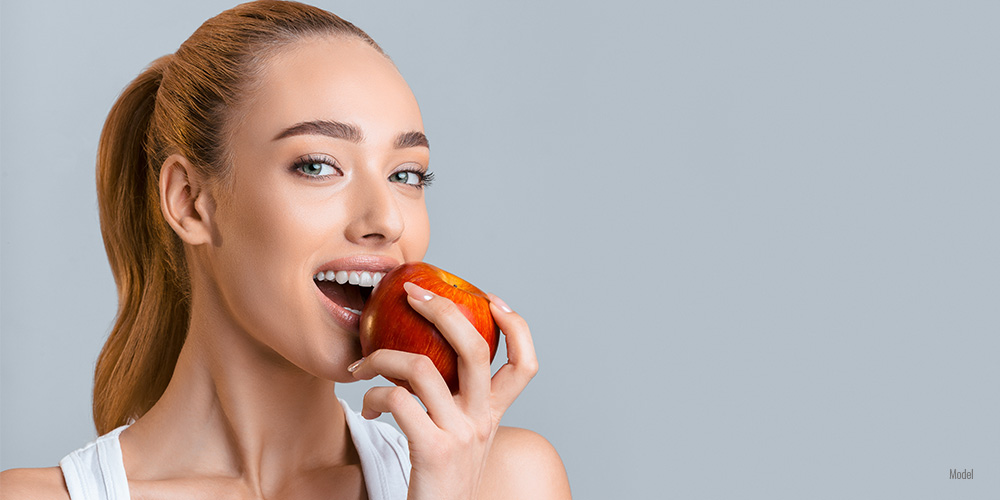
x: 259, y: 267
x: 417, y: 232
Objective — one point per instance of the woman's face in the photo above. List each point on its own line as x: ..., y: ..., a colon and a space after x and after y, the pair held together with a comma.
x: 328, y: 164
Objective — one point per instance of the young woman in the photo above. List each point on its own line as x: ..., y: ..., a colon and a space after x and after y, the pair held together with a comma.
x: 278, y: 144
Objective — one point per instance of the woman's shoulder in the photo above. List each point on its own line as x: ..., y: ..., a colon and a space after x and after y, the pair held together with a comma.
x: 42, y: 484
x: 528, y: 457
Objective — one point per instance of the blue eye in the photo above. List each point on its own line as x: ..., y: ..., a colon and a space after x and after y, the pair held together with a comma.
x: 413, y: 178
x: 316, y: 167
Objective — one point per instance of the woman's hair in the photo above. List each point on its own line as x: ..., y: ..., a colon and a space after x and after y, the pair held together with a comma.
x: 185, y: 103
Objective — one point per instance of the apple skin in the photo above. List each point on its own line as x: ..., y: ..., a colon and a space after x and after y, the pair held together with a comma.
x: 389, y: 322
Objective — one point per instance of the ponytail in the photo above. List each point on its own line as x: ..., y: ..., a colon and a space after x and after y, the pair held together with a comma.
x: 146, y: 259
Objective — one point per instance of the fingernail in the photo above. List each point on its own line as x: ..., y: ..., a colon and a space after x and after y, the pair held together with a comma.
x: 354, y: 366
x: 416, y: 292
x: 503, y: 305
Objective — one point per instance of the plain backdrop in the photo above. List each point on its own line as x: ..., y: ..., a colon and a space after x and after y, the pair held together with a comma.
x: 757, y: 242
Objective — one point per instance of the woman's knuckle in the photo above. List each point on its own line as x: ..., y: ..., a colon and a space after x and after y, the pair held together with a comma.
x: 530, y: 368
x: 375, y: 357
x: 521, y: 324
x: 421, y: 366
x: 397, y: 398
x: 478, y: 351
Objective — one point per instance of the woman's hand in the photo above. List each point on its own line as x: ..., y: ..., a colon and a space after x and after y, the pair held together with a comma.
x: 450, y: 442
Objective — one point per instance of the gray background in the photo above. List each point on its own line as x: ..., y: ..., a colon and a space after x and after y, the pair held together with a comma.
x: 757, y: 243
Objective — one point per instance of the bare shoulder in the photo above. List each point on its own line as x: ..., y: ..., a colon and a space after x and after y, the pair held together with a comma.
x: 42, y: 484
x: 523, y: 464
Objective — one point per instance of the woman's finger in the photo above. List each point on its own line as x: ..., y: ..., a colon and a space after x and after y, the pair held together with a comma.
x: 403, y: 406
x: 472, y: 349
x: 522, y: 365
x: 419, y: 372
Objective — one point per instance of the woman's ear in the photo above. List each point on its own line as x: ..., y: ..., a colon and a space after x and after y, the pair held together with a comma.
x: 186, y: 204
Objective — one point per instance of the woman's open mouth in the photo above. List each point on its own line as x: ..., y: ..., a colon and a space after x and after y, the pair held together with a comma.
x: 349, y: 290
x: 345, y: 291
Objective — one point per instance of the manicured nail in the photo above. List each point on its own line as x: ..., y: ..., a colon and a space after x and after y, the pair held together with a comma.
x: 416, y: 292
x: 503, y: 305
x: 354, y: 366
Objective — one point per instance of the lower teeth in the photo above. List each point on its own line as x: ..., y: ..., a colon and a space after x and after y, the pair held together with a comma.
x: 355, y: 311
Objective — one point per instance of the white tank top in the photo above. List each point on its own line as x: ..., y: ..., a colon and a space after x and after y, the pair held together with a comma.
x: 97, y: 472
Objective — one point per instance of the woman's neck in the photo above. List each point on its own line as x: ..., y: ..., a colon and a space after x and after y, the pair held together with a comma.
x: 236, y: 409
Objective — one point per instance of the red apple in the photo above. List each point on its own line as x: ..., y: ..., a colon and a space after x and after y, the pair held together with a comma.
x: 388, y: 321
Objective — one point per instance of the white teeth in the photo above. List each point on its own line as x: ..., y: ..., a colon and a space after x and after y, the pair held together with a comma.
x: 355, y: 311
x: 360, y: 278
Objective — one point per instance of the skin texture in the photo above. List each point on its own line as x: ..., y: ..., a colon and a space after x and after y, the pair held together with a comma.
x: 251, y: 412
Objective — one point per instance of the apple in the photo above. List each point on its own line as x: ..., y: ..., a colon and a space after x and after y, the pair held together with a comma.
x: 388, y: 321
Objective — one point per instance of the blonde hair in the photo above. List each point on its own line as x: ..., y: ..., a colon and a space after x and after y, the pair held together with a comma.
x: 181, y: 104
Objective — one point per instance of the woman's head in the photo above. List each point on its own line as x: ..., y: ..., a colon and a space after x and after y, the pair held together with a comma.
x: 191, y: 171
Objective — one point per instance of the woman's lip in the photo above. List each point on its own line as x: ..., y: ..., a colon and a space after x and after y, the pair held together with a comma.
x: 346, y: 318
x: 371, y: 263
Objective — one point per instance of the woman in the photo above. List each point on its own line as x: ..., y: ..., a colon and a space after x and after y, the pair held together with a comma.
x: 276, y: 144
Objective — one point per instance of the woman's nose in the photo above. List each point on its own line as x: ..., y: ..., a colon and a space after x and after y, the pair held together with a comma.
x: 376, y: 218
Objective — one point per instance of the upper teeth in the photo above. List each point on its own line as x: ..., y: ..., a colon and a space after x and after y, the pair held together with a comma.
x: 360, y: 278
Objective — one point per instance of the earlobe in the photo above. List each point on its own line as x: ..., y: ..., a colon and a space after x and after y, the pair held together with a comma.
x: 184, y: 202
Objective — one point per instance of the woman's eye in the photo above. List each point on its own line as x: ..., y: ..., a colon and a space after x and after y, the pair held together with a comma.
x: 316, y: 169
x: 407, y: 177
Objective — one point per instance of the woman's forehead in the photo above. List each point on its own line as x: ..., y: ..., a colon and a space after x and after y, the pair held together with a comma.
x: 334, y: 79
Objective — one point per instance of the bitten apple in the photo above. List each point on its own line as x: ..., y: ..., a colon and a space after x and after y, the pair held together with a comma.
x: 388, y: 321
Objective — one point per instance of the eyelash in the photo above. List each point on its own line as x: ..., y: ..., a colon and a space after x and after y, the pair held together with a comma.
x: 312, y: 160
x: 426, y: 176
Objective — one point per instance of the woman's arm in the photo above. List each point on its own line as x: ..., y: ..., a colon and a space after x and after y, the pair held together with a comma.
x: 33, y: 484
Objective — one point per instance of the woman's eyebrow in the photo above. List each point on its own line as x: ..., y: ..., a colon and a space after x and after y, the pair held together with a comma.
x: 350, y: 132
x: 411, y: 140
x: 329, y: 128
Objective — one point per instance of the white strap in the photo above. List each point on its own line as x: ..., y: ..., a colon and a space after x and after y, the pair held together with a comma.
x: 97, y: 471
x: 384, y: 454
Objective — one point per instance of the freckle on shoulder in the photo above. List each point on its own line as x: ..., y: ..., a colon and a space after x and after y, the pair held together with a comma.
x: 37, y: 484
